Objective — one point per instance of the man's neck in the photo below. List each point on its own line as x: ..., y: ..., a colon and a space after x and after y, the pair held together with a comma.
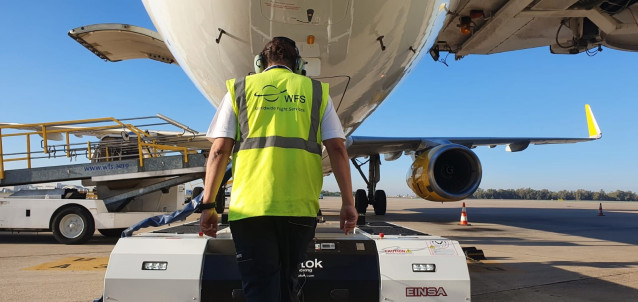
x: 277, y: 66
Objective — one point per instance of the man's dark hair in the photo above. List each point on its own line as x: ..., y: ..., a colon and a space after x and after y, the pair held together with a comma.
x: 280, y: 50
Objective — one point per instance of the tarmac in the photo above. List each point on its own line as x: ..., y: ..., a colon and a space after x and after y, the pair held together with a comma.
x: 535, y: 250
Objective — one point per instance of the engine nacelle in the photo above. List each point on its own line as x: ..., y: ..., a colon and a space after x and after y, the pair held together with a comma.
x: 445, y: 173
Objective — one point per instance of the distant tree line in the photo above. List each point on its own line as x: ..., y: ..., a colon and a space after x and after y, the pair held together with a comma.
x: 328, y: 193
x: 544, y: 194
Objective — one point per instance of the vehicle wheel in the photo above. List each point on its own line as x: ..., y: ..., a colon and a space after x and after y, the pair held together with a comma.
x: 111, y: 232
x: 361, y: 201
x: 380, y: 202
x: 195, y: 193
x: 220, y: 200
x: 73, y: 225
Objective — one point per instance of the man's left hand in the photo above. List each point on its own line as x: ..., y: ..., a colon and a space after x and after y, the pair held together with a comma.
x: 208, y: 222
x: 348, y: 218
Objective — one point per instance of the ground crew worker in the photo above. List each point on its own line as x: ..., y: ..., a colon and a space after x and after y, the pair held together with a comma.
x: 273, y: 123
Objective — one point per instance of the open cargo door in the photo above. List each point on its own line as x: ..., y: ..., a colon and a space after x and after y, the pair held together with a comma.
x: 117, y: 42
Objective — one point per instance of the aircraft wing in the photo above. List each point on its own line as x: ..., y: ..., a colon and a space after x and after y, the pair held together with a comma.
x: 393, y: 148
x: 359, y: 146
x: 566, y: 26
x: 443, y: 168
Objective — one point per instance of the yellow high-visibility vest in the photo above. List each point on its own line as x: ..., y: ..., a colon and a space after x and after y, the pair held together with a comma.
x: 277, y: 156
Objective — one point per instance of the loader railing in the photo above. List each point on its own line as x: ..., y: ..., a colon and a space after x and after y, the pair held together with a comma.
x: 118, y: 139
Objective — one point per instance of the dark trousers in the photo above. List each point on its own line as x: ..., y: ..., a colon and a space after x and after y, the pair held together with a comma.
x: 269, y: 250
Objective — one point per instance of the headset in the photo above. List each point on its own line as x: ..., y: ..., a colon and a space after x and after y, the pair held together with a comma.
x: 260, y: 60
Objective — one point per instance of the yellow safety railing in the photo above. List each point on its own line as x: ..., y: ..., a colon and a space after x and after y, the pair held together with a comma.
x: 183, y: 150
x: 67, y: 128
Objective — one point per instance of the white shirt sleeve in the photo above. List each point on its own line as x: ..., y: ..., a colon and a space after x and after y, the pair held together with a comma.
x: 330, y: 124
x: 224, y: 124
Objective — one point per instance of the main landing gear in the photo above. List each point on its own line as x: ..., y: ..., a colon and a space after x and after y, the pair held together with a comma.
x: 374, y: 197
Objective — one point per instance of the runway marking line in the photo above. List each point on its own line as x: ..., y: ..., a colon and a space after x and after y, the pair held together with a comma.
x: 73, y: 264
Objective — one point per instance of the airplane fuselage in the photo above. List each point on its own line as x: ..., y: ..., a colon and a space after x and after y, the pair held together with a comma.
x: 361, y: 48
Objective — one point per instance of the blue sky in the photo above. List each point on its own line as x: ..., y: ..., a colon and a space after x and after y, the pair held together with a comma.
x: 46, y: 76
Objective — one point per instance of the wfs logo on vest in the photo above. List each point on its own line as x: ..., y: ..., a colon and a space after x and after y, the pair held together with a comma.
x: 271, y: 94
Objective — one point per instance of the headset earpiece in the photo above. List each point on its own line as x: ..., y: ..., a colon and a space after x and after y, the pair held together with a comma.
x: 259, y: 63
x: 299, y: 66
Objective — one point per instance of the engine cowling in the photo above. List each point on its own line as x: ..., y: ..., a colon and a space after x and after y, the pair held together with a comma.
x: 445, y: 173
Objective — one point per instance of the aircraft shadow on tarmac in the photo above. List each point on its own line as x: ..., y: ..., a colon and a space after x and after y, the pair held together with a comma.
x: 545, y: 281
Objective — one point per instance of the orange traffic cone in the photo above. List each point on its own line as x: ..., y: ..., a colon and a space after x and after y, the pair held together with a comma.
x: 600, y: 210
x: 463, y: 216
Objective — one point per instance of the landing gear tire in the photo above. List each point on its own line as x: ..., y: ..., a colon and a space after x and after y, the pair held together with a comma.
x: 220, y: 200
x: 361, y: 201
x: 73, y: 225
x: 111, y: 232
x: 380, y: 202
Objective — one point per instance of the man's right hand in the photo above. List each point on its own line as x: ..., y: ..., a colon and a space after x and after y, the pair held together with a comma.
x: 208, y: 222
x: 348, y: 218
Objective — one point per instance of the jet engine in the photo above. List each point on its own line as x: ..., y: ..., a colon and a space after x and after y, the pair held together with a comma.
x: 445, y: 173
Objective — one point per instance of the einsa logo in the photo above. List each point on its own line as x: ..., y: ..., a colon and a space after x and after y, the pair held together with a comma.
x: 271, y: 94
x: 424, y: 291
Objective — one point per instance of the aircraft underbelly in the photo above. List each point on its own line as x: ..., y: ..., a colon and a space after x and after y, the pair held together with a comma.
x: 362, y: 48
